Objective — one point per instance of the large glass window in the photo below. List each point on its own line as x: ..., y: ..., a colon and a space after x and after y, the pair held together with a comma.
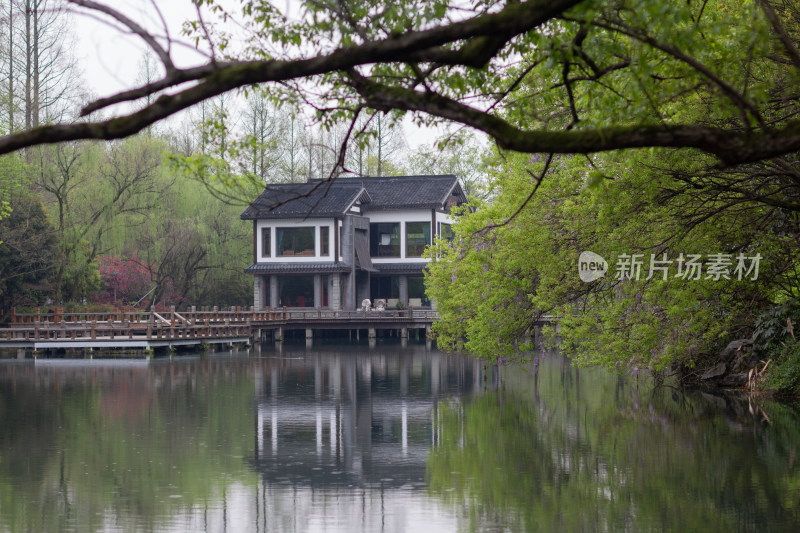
x: 416, y: 291
x: 266, y: 249
x: 324, y: 240
x: 296, y: 291
x: 295, y: 241
x: 446, y: 231
x: 384, y: 239
x: 384, y: 287
x: 418, y: 236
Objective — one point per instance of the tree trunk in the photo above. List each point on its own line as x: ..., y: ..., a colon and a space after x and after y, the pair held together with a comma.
x: 380, y: 147
x: 28, y: 65
x: 10, y: 67
x: 36, y: 88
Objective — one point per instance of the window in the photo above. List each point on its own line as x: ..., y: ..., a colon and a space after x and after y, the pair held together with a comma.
x: 418, y: 236
x: 296, y: 291
x: 295, y: 241
x: 384, y: 287
x: 416, y: 290
x: 446, y: 232
x: 384, y: 239
x: 266, y: 248
x: 324, y: 240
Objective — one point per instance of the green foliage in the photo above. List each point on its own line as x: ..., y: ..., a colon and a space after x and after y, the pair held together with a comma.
x: 775, y: 324
x: 512, y: 262
x: 216, y: 176
x: 593, y: 65
x: 81, y: 276
x: 117, y: 199
x: 515, y: 260
x: 784, y: 371
x: 28, y: 255
x: 11, y: 176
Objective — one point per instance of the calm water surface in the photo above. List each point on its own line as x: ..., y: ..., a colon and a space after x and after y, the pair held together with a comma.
x: 351, y: 438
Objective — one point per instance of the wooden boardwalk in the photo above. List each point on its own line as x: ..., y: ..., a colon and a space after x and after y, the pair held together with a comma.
x: 147, y: 330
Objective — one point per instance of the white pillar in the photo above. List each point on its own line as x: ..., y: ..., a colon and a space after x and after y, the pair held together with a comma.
x: 317, y: 291
x: 334, y: 292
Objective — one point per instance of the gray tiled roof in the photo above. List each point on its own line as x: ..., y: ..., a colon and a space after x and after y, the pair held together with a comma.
x: 318, y: 198
x: 402, y: 192
x: 305, y: 200
x: 400, y: 268
x: 296, y: 268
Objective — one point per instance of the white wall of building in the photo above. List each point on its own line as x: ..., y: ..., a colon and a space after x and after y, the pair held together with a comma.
x: 316, y: 223
x: 403, y: 216
x: 399, y: 216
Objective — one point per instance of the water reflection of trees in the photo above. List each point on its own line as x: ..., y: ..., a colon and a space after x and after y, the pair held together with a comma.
x: 555, y: 452
x: 83, y: 447
x: 188, y: 445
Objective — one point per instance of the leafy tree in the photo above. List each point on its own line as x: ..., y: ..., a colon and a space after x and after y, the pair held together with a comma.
x: 566, y: 76
x: 87, y: 187
x: 514, y: 261
x: 28, y: 255
x: 11, y: 175
x: 124, y: 280
x: 461, y: 155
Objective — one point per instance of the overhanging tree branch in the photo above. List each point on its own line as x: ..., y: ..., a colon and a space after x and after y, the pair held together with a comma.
x: 484, y: 36
x: 730, y: 146
x: 146, y: 36
x: 470, y: 44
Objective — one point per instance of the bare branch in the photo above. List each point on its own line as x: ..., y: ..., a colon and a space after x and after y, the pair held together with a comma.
x: 146, y: 36
x: 788, y: 43
x: 172, y: 79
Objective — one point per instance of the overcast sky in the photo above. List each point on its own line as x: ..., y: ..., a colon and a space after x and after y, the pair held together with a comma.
x: 110, y: 59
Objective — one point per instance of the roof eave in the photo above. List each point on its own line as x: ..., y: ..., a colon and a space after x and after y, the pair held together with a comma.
x: 450, y: 191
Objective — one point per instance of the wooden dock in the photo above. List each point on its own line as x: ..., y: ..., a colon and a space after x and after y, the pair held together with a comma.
x: 132, y: 329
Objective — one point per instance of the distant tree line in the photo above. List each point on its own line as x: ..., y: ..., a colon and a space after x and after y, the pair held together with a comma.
x: 154, y: 219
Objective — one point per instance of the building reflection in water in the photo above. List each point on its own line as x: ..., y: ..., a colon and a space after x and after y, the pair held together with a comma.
x: 333, y: 437
x: 360, y: 419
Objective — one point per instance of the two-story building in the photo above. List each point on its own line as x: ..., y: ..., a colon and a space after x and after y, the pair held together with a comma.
x: 333, y: 244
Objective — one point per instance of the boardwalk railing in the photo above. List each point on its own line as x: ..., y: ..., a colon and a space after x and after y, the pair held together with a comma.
x: 121, y: 324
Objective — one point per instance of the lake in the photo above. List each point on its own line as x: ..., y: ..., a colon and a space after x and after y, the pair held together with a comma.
x: 347, y: 437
